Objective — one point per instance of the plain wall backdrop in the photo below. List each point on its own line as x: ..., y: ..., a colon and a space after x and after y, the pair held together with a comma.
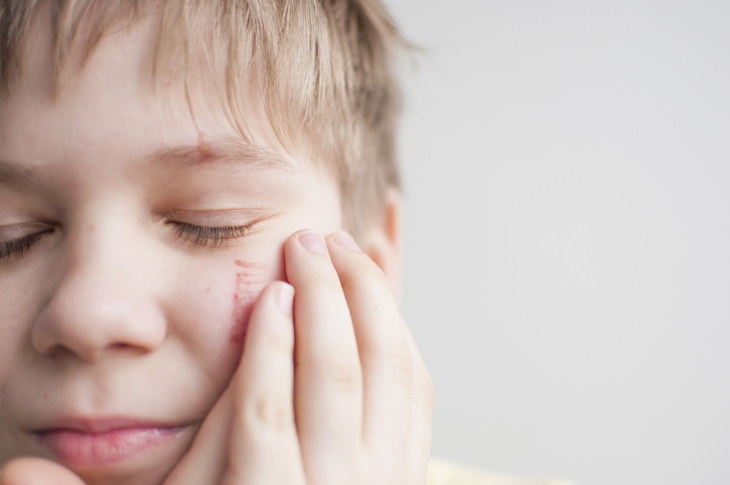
x: 567, y: 236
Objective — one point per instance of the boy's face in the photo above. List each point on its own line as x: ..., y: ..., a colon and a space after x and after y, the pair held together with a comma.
x: 131, y: 247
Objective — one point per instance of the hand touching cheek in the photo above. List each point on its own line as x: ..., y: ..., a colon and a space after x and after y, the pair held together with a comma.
x: 339, y: 395
x: 330, y: 388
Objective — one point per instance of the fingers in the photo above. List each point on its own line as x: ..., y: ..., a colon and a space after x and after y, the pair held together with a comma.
x: 362, y: 392
x: 330, y: 388
x: 36, y: 471
x: 328, y: 378
x: 264, y: 448
x: 397, y: 400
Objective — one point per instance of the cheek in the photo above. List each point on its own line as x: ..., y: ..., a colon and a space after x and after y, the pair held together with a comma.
x: 213, y: 311
x: 251, y: 278
x: 19, y: 302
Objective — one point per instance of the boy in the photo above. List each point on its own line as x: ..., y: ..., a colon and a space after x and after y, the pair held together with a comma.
x: 170, y: 311
x: 159, y: 163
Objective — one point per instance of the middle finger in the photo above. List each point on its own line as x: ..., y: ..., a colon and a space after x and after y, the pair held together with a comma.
x: 328, y: 378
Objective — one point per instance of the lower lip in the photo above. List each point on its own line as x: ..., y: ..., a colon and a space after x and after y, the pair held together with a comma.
x: 81, y: 449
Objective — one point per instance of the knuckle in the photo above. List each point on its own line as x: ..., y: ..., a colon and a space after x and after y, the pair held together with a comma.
x: 364, y: 275
x: 274, y: 413
x: 344, y: 373
x: 279, y: 341
x: 323, y: 279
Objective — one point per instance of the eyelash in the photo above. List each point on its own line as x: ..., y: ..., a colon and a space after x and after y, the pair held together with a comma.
x: 21, y: 246
x: 205, y: 236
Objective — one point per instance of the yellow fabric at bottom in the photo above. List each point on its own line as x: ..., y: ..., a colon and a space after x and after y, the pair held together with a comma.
x: 441, y: 472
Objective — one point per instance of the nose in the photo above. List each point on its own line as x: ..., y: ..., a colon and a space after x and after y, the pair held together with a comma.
x: 101, y: 301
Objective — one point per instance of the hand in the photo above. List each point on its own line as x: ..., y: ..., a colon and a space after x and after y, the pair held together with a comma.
x: 36, y: 471
x: 339, y: 395
x: 329, y: 390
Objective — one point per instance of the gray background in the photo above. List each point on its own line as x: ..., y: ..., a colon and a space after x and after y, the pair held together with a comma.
x: 567, y: 263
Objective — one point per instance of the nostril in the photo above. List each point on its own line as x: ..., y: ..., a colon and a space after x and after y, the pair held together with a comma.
x: 59, y: 352
x: 120, y: 346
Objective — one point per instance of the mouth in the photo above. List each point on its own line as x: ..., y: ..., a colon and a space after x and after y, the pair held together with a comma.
x: 95, y: 443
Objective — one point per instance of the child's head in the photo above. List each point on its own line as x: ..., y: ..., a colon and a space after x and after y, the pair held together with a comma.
x: 319, y: 71
x: 154, y: 155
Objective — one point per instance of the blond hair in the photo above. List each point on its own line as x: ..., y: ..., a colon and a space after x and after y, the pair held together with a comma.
x: 324, y: 69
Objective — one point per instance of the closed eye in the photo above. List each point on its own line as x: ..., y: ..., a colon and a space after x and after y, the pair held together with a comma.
x: 16, y: 248
x: 205, y: 236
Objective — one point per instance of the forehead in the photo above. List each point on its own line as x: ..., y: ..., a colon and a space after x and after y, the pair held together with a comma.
x: 54, y: 44
x: 108, y: 96
x: 109, y: 131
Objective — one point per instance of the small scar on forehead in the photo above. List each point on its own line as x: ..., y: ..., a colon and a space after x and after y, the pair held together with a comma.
x: 205, y: 151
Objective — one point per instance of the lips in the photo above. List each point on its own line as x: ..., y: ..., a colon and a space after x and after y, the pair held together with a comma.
x: 102, y: 442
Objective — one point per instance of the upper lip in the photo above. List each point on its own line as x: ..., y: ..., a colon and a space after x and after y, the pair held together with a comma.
x: 101, y: 424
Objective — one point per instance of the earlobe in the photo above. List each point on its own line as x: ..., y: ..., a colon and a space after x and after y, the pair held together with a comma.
x: 382, y: 241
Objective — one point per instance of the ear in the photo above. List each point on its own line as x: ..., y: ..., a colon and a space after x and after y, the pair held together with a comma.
x: 382, y: 240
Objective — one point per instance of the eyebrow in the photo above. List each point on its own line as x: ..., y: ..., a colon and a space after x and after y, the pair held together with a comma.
x: 12, y: 173
x: 227, y: 151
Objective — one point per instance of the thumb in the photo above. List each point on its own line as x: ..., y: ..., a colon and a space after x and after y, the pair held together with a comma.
x: 36, y: 471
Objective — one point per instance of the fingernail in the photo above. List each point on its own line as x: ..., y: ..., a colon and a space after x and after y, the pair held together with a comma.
x: 285, y: 297
x: 345, y: 240
x: 313, y: 241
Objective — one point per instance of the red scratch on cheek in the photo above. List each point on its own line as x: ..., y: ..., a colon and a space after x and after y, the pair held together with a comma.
x: 248, y: 264
x: 248, y: 286
x: 242, y: 304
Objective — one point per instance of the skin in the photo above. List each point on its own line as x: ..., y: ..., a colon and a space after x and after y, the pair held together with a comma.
x: 278, y: 355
